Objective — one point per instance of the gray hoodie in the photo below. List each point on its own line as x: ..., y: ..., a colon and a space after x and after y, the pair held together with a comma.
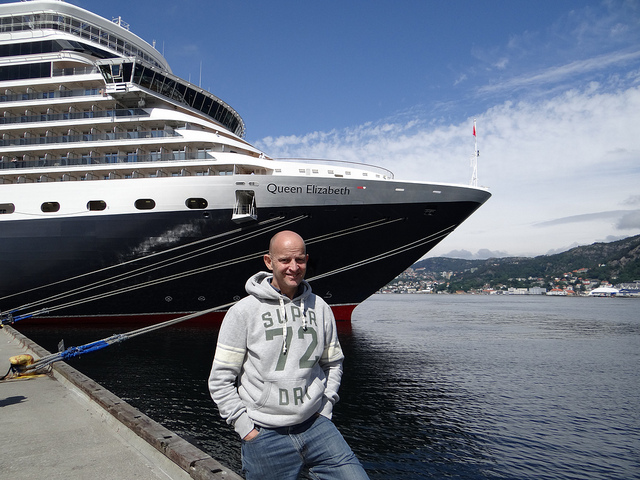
x: 284, y: 354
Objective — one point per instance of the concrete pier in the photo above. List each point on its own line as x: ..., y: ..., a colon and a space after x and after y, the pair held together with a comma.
x: 64, y: 425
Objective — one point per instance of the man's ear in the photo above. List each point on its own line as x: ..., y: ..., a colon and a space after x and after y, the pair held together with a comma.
x: 267, y: 261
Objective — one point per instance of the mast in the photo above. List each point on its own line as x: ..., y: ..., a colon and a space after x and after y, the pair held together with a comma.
x: 474, y: 158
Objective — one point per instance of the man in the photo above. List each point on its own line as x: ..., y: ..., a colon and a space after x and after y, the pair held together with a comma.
x: 276, y: 373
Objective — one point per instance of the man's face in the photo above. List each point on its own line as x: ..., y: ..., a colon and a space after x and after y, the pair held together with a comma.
x: 288, y: 262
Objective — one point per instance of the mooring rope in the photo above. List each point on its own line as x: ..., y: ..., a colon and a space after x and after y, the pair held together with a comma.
x: 146, y: 269
x: 396, y: 251
x: 184, y: 274
x: 151, y: 255
x: 71, y: 352
x: 11, y: 317
x: 355, y: 229
x: 139, y: 286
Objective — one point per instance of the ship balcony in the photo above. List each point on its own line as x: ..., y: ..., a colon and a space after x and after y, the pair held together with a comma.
x: 8, y: 163
x: 84, y: 138
x: 46, y: 95
x: 85, y: 115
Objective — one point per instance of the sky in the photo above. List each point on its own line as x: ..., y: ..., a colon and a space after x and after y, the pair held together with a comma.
x: 553, y: 85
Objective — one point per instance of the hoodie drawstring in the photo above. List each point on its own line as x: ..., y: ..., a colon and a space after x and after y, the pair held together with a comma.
x: 283, y: 311
x: 304, y: 317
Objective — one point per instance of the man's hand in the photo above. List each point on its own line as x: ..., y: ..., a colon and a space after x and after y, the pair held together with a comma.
x: 251, y: 435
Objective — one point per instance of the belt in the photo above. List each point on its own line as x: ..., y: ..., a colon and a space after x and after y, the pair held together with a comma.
x: 293, y: 429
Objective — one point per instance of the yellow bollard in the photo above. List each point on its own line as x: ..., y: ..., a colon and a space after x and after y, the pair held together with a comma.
x: 18, y: 365
x: 21, y: 360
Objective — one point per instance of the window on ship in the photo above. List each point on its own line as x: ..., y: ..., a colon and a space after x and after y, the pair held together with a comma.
x: 145, y: 204
x: 196, y: 203
x: 6, y: 208
x: 49, y: 207
x: 96, y: 205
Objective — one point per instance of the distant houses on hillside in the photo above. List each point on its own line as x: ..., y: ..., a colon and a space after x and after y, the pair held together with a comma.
x: 569, y: 284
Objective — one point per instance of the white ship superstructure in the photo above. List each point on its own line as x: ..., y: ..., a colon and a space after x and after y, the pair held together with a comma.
x: 126, y: 190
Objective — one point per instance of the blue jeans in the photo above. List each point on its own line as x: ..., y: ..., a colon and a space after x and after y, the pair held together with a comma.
x: 316, y: 444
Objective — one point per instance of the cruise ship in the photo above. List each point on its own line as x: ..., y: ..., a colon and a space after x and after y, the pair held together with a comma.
x: 130, y: 194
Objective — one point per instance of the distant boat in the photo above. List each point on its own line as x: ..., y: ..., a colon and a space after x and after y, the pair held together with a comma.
x: 629, y: 289
x: 604, y: 292
x: 129, y: 193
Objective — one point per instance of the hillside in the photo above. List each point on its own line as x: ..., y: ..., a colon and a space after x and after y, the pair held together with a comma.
x: 616, y: 262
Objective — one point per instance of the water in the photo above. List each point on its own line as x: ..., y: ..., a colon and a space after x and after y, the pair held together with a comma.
x: 435, y: 386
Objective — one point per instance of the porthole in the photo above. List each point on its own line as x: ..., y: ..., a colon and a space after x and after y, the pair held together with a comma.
x: 96, y: 205
x: 145, y: 204
x: 7, y: 208
x: 49, y: 207
x: 196, y: 203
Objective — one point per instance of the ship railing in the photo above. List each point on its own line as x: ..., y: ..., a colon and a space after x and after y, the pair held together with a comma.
x: 18, y: 97
x: 10, y: 142
x: 53, y: 117
x: 119, y: 72
x: 61, y: 72
x: 378, y: 170
x: 7, y: 163
x: 78, y: 27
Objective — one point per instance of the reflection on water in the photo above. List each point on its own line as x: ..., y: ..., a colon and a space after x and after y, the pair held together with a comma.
x: 409, y: 413
x: 434, y: 386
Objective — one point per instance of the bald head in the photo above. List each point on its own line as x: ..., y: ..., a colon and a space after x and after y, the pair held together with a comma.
x: 286, y: 238
x: 287, y: 259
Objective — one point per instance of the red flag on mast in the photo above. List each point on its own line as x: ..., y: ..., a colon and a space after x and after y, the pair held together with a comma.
x: 474, y: 129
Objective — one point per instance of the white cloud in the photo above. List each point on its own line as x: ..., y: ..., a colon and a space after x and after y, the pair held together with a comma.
x: 460, y: 79
x: 562, y: 72
x: 576, y: 154
x: 501, y: 64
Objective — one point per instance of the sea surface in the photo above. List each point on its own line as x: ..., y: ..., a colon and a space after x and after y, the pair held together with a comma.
x: 435, y: 386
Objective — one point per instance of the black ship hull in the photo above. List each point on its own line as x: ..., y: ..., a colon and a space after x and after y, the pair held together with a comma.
x: 160, y: 265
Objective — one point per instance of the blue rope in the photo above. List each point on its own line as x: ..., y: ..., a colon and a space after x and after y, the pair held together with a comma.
x: 9, y: 319
x: 100, y: 344
x: 89, y: 347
